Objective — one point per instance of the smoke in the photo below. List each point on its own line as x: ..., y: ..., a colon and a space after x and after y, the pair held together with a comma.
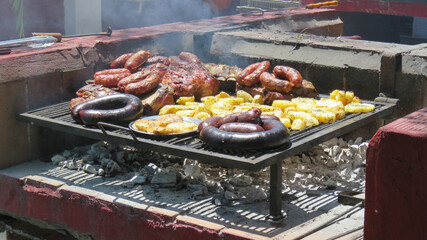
x: 121, y: 14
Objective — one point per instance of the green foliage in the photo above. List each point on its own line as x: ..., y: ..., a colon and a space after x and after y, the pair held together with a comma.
x: 18, y: 7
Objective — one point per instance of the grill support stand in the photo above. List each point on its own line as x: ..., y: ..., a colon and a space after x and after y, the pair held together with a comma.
x: 58, y: 117
x: 276, y: 191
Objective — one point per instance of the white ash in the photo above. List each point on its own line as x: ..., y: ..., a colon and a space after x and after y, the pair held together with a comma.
x: 332, y: 164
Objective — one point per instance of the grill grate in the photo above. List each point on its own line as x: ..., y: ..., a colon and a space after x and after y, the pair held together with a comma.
x: 58, y: 117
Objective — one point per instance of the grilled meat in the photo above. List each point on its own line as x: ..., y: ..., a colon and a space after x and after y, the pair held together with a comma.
x: 90, y: 91
x: 187, y: 77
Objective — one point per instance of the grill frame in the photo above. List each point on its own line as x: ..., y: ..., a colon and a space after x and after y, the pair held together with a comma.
x: 58, y: 117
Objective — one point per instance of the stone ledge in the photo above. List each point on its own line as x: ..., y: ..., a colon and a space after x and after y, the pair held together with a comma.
x: 77, y: 53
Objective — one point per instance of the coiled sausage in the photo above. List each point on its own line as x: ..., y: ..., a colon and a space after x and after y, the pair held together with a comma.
x: 113, y: 108
x: 214, y: 121
x: 250, y: 116
x: 275, y: 134
x: 272, y: 83
x: 241, y: 127
x: 251, y: 74
x: 288, y: 73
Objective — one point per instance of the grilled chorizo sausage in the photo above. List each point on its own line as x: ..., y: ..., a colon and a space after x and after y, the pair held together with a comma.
x: 272, y: 83
x: 111, y: 72
x: 241, y: 127
x: 158, y: 59
x: 112, y: 108
x: 110, y: 80
x: 136, y: 77
x: 147, y: 84
x: 288, y: 73
x: 110, y: 77
x: 214, y: 121
x: 120, y: 61
x: 137, y: 60
x: 275, y: 134
x: 251, y: 74
x: 189, y: 57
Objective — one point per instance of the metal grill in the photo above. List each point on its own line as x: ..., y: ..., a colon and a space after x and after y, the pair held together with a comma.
x: 58, y: 117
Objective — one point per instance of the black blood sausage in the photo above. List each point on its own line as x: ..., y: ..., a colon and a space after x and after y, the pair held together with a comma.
x: 214, y: 121
x: 269, y: 117
x: 275, y: 134
x: 113, y: 108
x: 241, y: 127
x: 250, y: 116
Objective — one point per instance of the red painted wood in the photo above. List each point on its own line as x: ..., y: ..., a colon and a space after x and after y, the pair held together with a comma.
x: 399, y: 8
x: 396, y: 176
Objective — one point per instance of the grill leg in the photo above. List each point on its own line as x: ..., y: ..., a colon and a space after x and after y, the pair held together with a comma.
x: 276, y: 191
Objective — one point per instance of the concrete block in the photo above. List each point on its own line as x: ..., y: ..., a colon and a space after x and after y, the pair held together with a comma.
x: 199, y: 223
x: 234, y: 234
x: 411, y: 83
x: 39, y: 181
x: 67, y: 190
x: 73, y: 81
x: 13, y: 134
x: 325, y: 79
x: 44, y: 90
x: 364, y: 83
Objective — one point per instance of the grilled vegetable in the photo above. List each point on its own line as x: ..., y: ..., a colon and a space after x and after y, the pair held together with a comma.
x: 359, y: 107
x: 246, y: 96
x: 184, y: 100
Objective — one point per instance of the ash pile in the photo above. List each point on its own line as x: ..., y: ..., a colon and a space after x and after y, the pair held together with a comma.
x: 333, y: 165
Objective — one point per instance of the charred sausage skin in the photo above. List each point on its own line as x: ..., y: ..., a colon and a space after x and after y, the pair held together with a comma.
x: 241, y: 127
x: 275, y: 134
x: 250, y: 116
x: 112, y: 108
x: 214, y: 121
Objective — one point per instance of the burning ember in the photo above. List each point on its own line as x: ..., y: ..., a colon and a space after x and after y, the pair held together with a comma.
x: 336, y: 164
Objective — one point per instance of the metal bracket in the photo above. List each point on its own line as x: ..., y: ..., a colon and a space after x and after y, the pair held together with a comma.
x: 384, y: 99
x: 102, y: 125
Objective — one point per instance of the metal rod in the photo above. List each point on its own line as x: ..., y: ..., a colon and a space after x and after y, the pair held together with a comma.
x: 303, y: 235
x: 276, y: 191
x: 108, y: 33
